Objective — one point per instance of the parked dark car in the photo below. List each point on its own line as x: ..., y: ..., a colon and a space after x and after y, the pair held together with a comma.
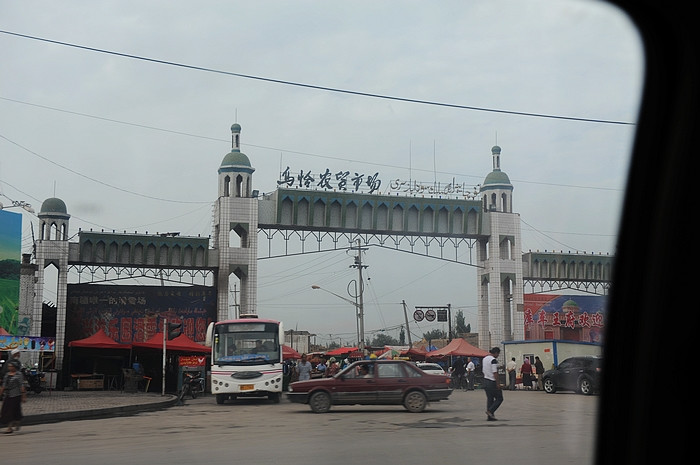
x: 580, y: 374
x: 373, y: 382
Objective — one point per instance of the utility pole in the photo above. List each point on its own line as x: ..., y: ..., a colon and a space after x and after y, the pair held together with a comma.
x: 234, y: 306
x: 361, y: 315
x: 449, y: 322
x: 408, y: 330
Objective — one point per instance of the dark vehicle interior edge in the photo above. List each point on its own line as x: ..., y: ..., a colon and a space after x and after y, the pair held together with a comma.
x: 639, y: 420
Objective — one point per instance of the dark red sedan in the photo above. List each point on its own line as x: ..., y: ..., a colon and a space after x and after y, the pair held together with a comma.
x: 373, y: 382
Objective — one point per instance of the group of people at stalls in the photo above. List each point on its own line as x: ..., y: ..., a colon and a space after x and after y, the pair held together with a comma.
x: 313, y: 367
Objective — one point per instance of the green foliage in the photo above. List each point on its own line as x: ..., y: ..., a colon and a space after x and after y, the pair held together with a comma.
x: 381, y: 340
x: 460, y: 327
x: 435, y: 334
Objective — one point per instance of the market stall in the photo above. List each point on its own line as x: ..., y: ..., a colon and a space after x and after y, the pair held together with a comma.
x: 150, y: 355
x: 97, y: 362
x: 457, y: 348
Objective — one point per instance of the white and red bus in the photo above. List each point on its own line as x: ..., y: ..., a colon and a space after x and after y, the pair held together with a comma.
x: 246, y: 358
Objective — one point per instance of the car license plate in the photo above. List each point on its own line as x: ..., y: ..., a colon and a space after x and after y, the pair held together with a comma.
x: 247, y: 387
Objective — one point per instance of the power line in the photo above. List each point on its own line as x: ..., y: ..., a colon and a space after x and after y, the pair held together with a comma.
x: 97, y: 180
x: 316, y: 87
x: 297, y: 152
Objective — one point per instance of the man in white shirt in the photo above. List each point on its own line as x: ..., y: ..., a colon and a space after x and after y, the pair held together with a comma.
x: 492, y: 385
x: 470, y: 374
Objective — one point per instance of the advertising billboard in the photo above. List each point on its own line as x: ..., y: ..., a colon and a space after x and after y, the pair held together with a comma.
x: 136, y: 313
x: 565, y: 317
x: 10, y: 256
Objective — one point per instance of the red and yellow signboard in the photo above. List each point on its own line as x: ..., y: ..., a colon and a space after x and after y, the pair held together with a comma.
x: 193, y: 361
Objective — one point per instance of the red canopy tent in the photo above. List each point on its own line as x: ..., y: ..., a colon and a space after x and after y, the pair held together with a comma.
x: 289, y: 353
x: 459, y: 348
x: 99, y: 340
x: 181, y: 343
x: 414, y: 353
x: 341, y: 351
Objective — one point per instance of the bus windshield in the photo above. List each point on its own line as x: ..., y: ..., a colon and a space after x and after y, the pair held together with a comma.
x: 246, y: 344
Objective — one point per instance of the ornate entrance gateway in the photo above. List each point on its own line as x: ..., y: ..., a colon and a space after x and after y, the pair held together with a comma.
x: 475, y: 228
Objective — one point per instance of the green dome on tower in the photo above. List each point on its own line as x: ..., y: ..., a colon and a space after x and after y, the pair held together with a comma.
x: 53, y: 205
x: 496, y: 177
x: 234, y: 159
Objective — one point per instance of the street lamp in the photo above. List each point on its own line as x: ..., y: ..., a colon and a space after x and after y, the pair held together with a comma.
x: 359, y: 313
x: 18, y: 204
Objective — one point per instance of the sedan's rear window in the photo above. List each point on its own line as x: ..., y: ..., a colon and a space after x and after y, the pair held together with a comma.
x: 390, y: 370
x: 413, y: 371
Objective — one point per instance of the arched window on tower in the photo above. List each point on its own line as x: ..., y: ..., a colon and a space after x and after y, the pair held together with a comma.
x: 54, y: 232
x: 504, y: 203
x: 239, y: 185
x: 227, y: 186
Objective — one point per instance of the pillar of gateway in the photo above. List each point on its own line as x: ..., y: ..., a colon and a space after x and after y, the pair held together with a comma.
x: 235, y: 238
x: 500, y: 276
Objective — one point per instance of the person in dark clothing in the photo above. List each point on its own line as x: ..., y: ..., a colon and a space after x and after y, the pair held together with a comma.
x: 458, y: 374
x: 539, y: 371
x: 15, y: 393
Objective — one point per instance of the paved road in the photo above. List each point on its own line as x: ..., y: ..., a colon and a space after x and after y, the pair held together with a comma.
x: 533, y: 427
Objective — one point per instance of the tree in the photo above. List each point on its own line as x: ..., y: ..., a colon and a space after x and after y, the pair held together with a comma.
x: 381, y: 340
x: 402, y: 337
x: 435, y: 334
x: 460, y: 327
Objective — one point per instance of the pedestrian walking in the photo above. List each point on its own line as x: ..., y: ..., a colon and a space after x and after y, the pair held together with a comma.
x: 15, y: 393
x: 492, y: 385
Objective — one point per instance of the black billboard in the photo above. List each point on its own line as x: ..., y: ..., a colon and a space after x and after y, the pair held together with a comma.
x: 135, y: 313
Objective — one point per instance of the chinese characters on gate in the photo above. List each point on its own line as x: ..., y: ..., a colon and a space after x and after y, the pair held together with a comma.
x: 346, y: 181
x: 342, y: 180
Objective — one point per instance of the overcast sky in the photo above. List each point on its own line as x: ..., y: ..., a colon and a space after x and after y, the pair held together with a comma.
x: 134, y: 142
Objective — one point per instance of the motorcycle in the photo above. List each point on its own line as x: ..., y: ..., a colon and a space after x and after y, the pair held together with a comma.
x: 34, y: 379
x: 192, y: 384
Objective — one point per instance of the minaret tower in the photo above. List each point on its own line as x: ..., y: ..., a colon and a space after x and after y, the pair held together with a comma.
x: 500, y: 285
x: 52, y: 249
x: 235, y: 234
